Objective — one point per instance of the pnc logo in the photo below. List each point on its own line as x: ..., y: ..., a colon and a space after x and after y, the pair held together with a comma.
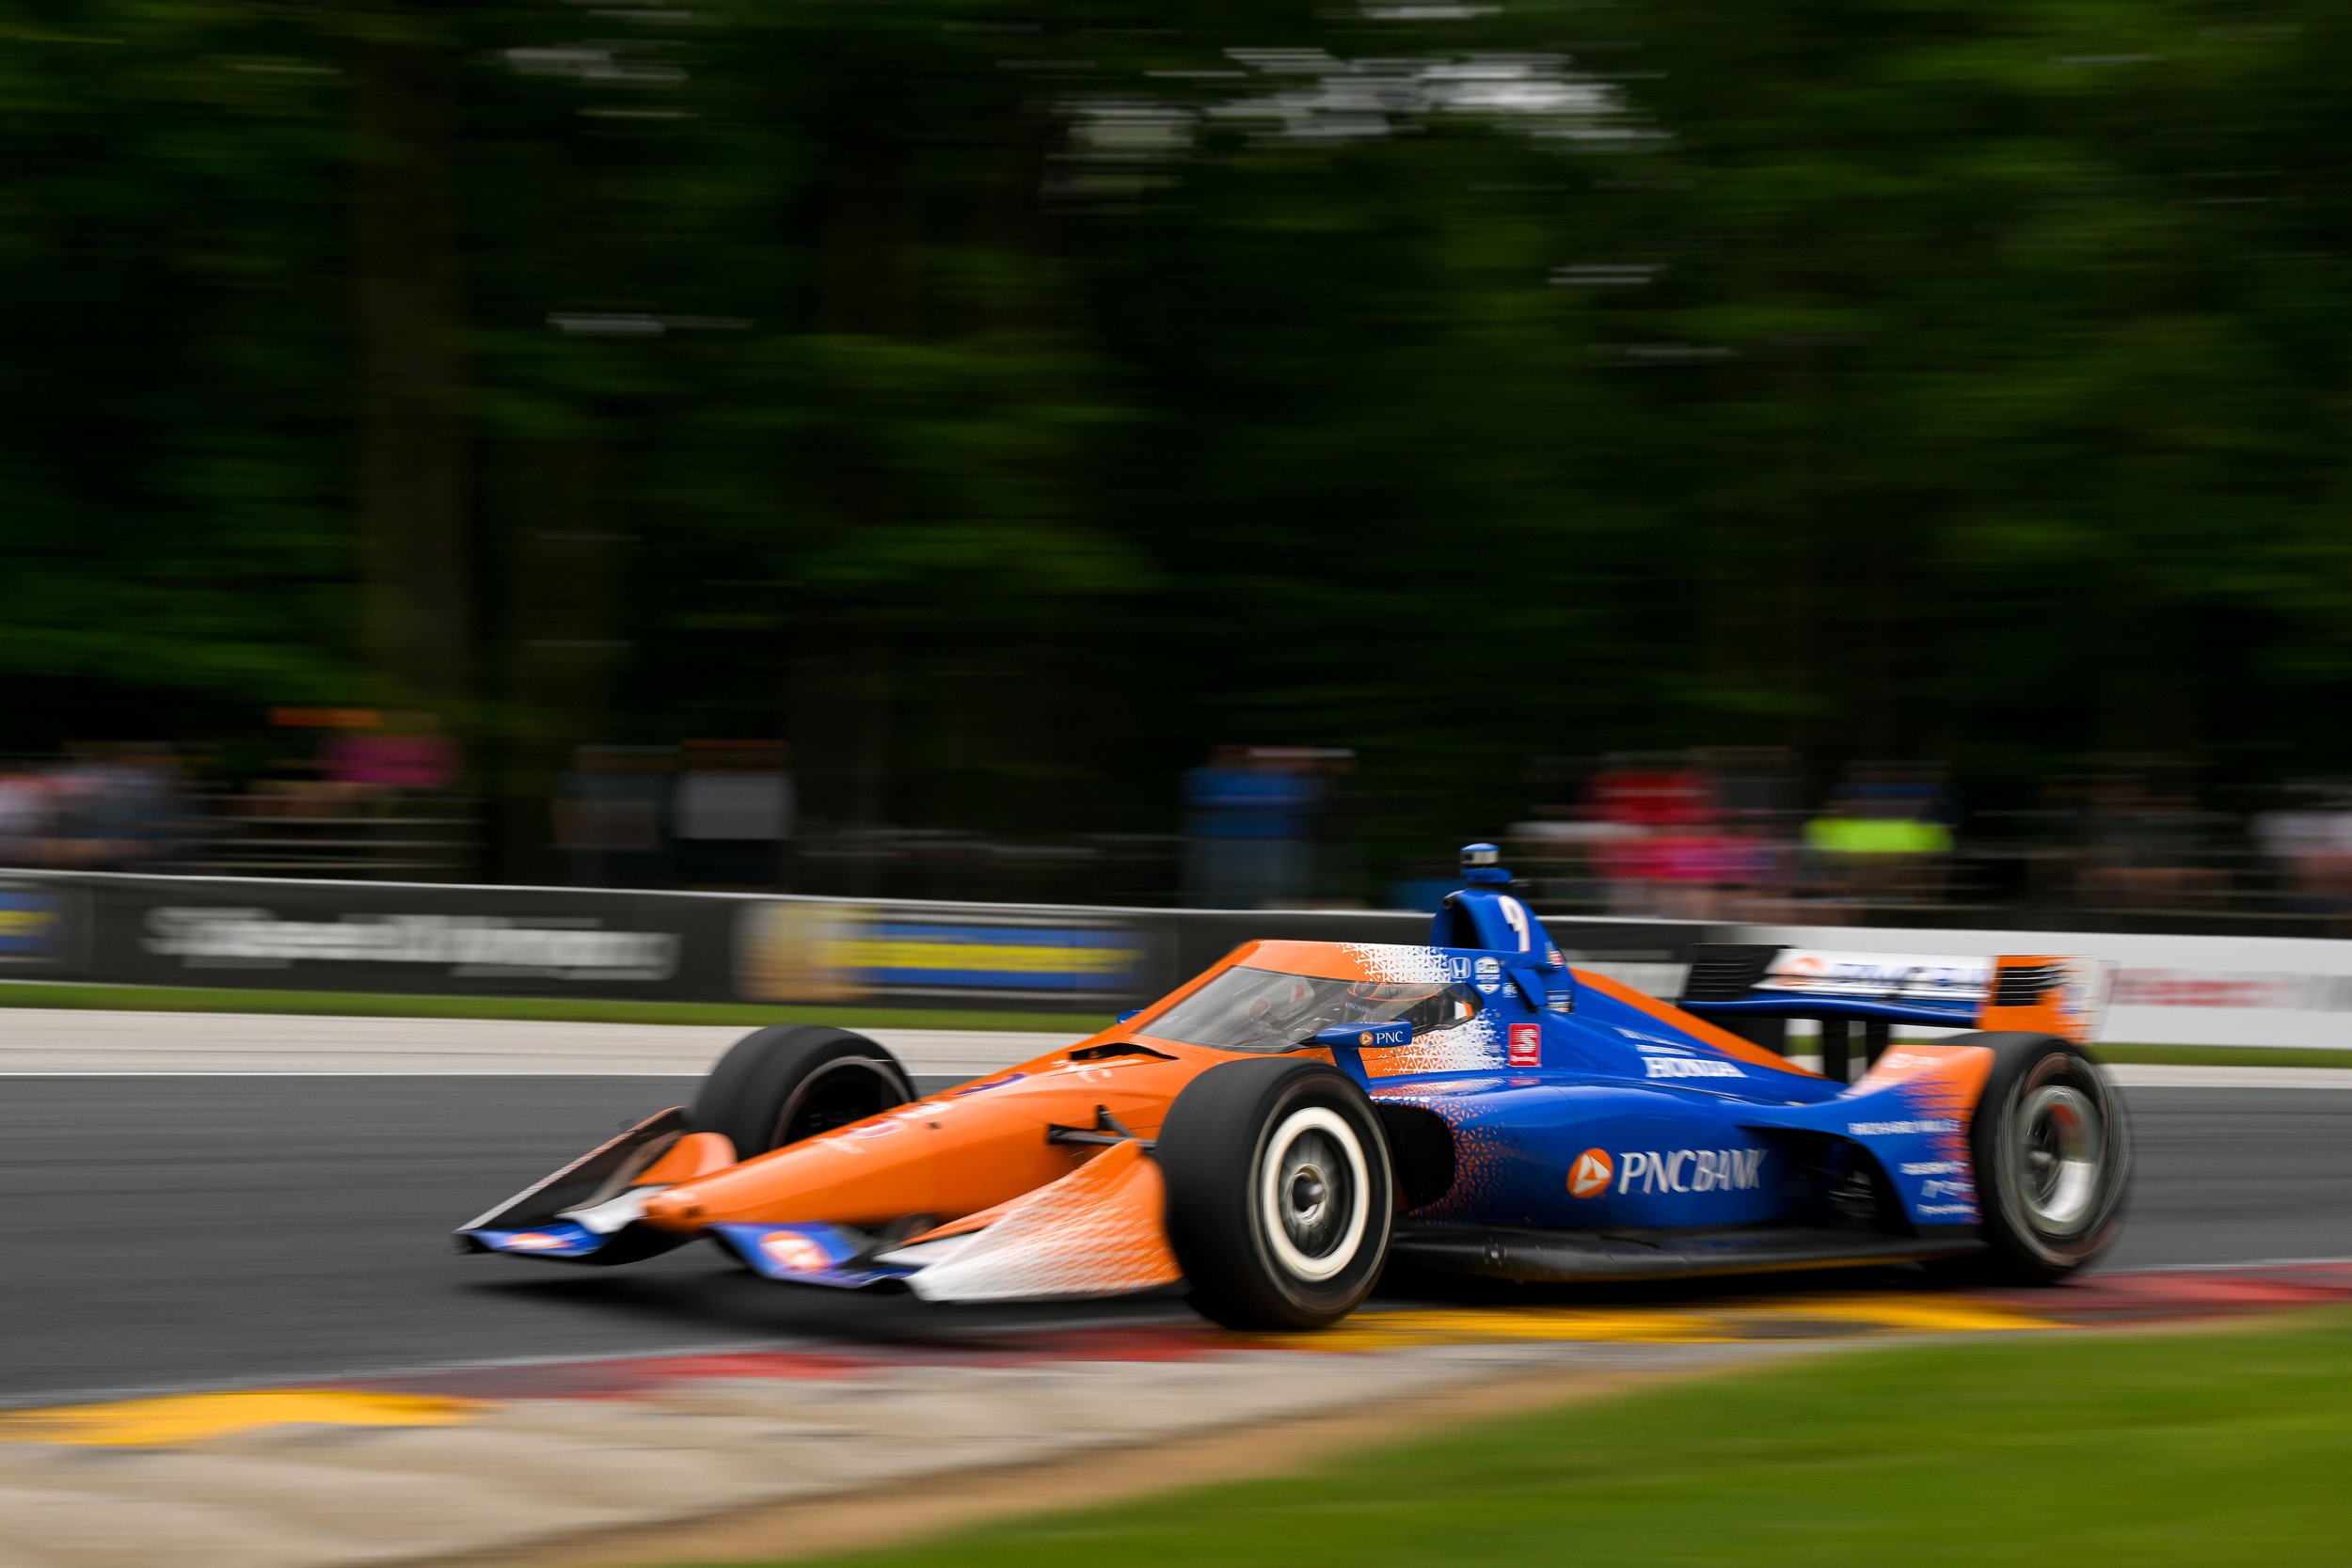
x: 788, y: 1250
x: 1590, y: 1176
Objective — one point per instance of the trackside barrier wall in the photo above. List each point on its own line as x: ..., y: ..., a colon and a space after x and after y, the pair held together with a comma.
x: 455, y: 939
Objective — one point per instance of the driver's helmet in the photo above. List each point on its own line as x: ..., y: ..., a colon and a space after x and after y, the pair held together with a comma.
x: 1282, y: 1000
x: 1358, y: 1001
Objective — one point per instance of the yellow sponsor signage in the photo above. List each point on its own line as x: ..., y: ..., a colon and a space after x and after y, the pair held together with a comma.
x: 23, y: 924
x: 823, y: 952
x: 919, y: 953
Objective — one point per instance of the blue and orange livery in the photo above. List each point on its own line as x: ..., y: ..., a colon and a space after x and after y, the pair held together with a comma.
x: 1275, y: 1129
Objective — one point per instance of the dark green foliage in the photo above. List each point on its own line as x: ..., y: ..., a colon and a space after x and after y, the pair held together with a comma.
x: 1005, y: 405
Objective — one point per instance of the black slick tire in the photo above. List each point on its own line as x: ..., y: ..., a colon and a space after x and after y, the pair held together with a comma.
x: 788, y: 1082
x: 1280, y: 1193
x: 2052, y: 1152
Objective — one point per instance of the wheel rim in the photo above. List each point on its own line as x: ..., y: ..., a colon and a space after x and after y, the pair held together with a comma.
x: 1312, y: 1193
x: 837, y: 1095
x: 2058, y: 1157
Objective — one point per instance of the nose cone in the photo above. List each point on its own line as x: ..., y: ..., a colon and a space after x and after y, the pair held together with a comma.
x: 679, y: 1208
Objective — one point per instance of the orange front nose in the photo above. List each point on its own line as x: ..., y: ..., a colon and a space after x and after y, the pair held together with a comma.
x: 944, y: 1158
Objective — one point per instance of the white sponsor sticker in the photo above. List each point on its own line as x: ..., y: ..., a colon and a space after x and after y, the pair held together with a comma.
x: 1690, y: 1170
x: 1690, y: 1067
x: 1910, y: 977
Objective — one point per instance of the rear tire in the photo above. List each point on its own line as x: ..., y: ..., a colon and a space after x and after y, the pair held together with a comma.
x: 2053, y: 1152
x: 1279, y: 1195
x: 777, y: 1086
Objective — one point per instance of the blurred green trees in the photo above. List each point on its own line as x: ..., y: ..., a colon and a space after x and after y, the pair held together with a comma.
x: 1005, y: 404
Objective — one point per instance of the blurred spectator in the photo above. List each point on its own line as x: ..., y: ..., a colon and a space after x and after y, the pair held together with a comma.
x: 409, y: 753
x: 24, y: 818
x: 2310, y: 848
x: 732, y: 817
x: 1251, y: 825
x: 2144, y: 846
x: 112, y: 807
x: 611, y: 811
x: 1883, y: 836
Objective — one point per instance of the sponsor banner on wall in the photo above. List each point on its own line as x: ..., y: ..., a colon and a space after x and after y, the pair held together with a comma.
x: 410, y: 937
x: 455, y: 947
x: 41, y: 926
x: 2167, y: 989
x: 817, y: 951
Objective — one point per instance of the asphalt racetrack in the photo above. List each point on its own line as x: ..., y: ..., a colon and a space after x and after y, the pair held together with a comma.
x: 168, y: 1232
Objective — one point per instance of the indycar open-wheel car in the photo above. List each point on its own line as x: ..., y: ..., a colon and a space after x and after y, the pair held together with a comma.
x: 1275, y: 1129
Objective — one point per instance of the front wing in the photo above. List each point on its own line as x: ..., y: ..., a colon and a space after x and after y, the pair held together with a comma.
x: 1097, y: 1231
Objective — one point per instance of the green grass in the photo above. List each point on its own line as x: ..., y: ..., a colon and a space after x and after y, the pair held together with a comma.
x: 2223, y: 1055
x: 2214, y: 1447
x: 208, y: 999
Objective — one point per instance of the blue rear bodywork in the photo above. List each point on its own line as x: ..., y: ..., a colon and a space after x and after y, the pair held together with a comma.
x: 1632, y: 1115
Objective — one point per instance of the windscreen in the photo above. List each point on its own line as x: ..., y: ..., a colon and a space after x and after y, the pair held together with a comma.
x: 1265, y: 1010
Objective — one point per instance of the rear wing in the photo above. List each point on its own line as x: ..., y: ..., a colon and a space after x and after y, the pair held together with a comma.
x: 2063, y: 996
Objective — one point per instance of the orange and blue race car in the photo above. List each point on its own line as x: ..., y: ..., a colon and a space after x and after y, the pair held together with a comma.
x: 1274, y: 1131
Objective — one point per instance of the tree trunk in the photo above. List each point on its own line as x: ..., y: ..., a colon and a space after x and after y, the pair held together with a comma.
x: 413, y: 481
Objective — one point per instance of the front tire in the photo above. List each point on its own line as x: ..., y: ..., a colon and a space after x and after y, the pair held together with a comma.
x: 1280, y: 1194
x: 777, y: 1086
x: 2053, y: 1150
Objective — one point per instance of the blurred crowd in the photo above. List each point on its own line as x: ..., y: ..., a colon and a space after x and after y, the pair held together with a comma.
x: 333, y: 792
x: 1738, y: 834
x: 1731, y: 833
x: 96, y: 808
x: 1710, y: 834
